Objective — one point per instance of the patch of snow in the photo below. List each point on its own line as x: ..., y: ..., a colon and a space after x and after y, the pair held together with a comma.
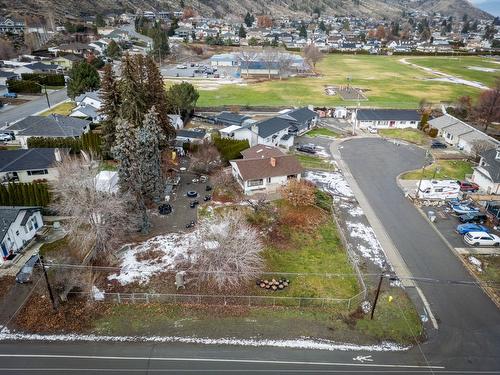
x: 97, y: 294
x: 356, y: 211
x: 172, y: 247
x: 321, y: 152
x: 300, y: 343
x: 331, y: 182
x: 459, y: 81
x: 483, y: 69
x: 476, y: 262
x: 366, y: 306
x: 370, y: 248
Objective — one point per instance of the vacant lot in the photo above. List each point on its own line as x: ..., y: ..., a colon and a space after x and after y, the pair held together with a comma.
x: 60, y: 109
x: 442, y: 170
x: 384, y: 79
x: 467, y: 67
x: 408, y: 135
x: 322, y: 132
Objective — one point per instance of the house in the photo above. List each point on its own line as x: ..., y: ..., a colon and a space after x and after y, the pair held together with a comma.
x: 89, y: 98
x: 176, y: 121
x: 52, y: 126
x: 265, y: 169
x: 18, y: 226
x: 88, y: 106
x: 460, y: 134
x: 66, y: 61
x: 28, y: 165
x: 225, y: 59
x: 192, y: 135
x: 340, y: 112
x: 37, y: 67
x: 305, y: 119
x: 267, y: 132
x: 11, y: 26
x: 5, y: 76
x: 487, y: 173
x: 230, y: 118
x: 385, y: 118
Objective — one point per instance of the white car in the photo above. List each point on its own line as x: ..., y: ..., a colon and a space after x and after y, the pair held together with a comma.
x: 372, y: 130
x: 482, y: 239
x: 5, y: 137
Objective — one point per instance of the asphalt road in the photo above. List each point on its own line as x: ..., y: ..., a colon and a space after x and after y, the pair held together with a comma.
x: 16, y: 113
x: 469, y: 322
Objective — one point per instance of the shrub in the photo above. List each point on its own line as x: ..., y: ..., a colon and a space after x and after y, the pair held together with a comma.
x: 90, y: 141
x: 433, y: 132
x: 23, y: 87
x: 45, y: 79
x: 24, y: 194
x: 230, y: 148
x: 323, y: 200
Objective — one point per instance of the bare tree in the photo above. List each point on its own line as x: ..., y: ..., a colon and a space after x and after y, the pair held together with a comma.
x: 206, y: 158
x: 269, y: 58
x: 227, y: 251
x: 6, y: 49
x: 98, y: 219
x: 284, y: 60
x: 245, y: 57
x: 312, y: 54
x: 299, y: 193
x: 480, y: 146
x: 487, y: 109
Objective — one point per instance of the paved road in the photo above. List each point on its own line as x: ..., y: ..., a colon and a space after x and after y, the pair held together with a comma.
x: 469, y: 323
x: 147, y: 358
x: 16, y: 113
x: 130, y: 28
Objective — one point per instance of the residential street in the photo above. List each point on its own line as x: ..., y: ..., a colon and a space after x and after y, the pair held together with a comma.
x: 469, y: 322
x: 17, y: 113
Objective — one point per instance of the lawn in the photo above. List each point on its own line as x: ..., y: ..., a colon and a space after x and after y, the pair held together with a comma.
x: 385, y: 80
x: 60, y: 109
x: 442, y: 170
x: 408, y: 135
x: 322, y: 132
x: 313, y: 162
x: 460, y: 67
x: 490, y: 265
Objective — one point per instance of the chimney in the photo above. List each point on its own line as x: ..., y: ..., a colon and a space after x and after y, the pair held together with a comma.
x: 273, y: 162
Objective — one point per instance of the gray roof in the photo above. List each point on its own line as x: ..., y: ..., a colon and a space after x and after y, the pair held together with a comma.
x: 231, y: 117
x: 9, y: 214
x: 87, y: 110
x: 273, y: 125
x: 41, y: 66
x: 22, y: 159
x: 5, y: 74
x: 387, y: 115
x: 443, y: 121
x: 491, y: 164
x: 91, y: 94
x: 302, y: 115
x: 50, y: 126
x: 457, y: 129
x: 185, y: 133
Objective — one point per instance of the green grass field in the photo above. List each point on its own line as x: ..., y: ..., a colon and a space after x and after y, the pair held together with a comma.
x: 444, y: 170
x: 313, y: 162
x: 460, y: 67
x: 322, y: 132
x: 408, y: 135
x: 386, y: 81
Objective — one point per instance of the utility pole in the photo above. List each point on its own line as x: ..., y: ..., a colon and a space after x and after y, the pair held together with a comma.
x: 46, y: 95
x: 48, y: 285
x: 376, y: 295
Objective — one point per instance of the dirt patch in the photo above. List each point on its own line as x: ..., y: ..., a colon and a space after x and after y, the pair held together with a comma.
x: 6, y: 283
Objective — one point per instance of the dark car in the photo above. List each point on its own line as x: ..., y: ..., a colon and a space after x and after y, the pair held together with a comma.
x: 25, y: 274
x: 473, y: 217
x: 193, y: 204
x: 208, y: 188
x: 468, y: 186
x: 438, y: 144
x: 310, y: 149
x: 165, y: 209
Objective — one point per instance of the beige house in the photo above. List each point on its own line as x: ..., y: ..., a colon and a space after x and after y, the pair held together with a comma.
x: 29, y: 165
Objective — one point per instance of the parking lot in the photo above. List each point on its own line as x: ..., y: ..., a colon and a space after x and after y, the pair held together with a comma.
x: 199, y: 70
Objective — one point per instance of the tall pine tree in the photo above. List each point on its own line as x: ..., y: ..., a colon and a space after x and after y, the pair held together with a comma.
x: 111, y: 101
x: 134, y: 104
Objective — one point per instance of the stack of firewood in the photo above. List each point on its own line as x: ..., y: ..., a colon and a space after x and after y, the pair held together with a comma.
x: 273, y: 284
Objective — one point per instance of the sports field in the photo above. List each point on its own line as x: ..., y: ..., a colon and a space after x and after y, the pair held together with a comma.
x: 387, y: 83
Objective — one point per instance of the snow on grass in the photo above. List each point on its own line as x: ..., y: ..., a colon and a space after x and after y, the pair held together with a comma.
x: 476, y: 262
x: 97, y: 294
x: 321, y: 152
x: 369, y: 247
x: 166, y: 251
x: 300, y: 343
x: 331, y: 182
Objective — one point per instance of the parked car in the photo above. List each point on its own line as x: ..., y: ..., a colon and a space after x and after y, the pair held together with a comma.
x: 194, y: 203
x: 438, y: 144
x: 310, y: 149
x: 5, y: 137
x: 468, y: 186
x: 372, y: 129
x: 11, y: 95
x: 471, y: 227
x: 473, y: 217
x: 26, y: 272
x: 463, y: 208
x: 482, y: 239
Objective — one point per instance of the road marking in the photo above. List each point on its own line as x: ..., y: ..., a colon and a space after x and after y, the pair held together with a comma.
x: 363, y: 358
x: 427, y: 307
x: 223, y: 360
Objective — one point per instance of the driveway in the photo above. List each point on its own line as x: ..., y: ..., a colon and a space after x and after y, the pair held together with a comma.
x: 469, y: 322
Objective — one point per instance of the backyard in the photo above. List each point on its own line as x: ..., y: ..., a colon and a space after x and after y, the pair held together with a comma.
x: 384, y: 79
x: 442, y: 170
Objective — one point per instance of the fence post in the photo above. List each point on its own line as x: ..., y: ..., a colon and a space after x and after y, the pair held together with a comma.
x: 119, y: 299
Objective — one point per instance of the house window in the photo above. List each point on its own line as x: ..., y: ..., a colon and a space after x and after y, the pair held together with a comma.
x: 37, y: 172
x: 291, y: 177
x: 269, y: 180
x: 258, y: 182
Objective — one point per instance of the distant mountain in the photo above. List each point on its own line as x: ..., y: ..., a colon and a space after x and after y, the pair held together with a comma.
x: 490, y: 6
x: 237, y: 8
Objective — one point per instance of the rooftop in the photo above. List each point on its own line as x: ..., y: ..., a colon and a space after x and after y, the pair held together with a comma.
x: 22, y: 159
x: 252, y: 169
x: 387, y: 115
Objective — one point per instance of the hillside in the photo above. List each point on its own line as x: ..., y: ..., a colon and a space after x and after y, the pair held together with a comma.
x: 236, y: 8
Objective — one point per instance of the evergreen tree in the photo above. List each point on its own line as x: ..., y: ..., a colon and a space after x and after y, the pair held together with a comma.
x: 113, y: 51
x: 249, y: 19
x: 83, y: 77
x: 149, y: 138
x: 181, y: 99
x: 133, y: 104
x: 161, y: 48
x: 322, y: 26
x: 124, y: 150
x: 302, y: 31
x: 111, y: 101
x: 242, y: 32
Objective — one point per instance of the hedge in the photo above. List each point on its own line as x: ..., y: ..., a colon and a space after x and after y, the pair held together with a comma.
x: 23, y: 87
x: 89, y: 141
x: 24, y: 194
x: 45, y: 79
x: 229, y: 148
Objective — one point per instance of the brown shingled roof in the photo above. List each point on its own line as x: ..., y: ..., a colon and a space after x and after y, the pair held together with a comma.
x: 261, y: 152
x: 251, y: 169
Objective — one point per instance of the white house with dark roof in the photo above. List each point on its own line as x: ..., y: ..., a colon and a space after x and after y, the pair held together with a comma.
x: 265, y: 169
x: 192, y: 135
x: 460, y: 134
x: 385, y: 118
x: 52, y: 126
x: 88, y: 106
x: 18, y: 226
x: 28, y: 165
x: 487, y: 173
